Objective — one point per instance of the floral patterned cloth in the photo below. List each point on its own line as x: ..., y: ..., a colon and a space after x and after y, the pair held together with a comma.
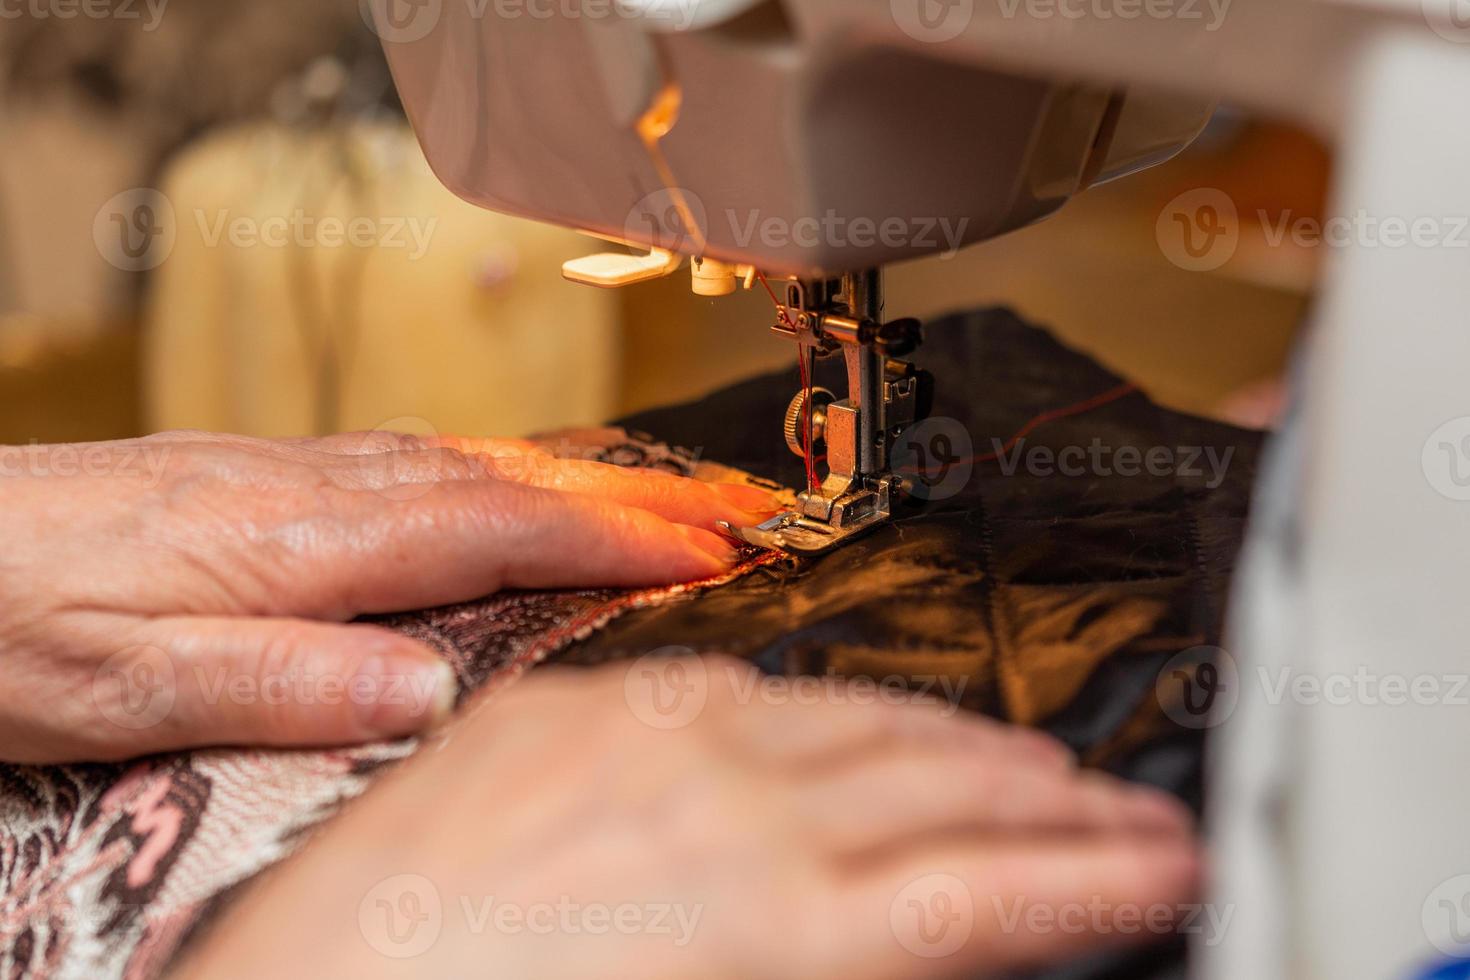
x: 105, y: 869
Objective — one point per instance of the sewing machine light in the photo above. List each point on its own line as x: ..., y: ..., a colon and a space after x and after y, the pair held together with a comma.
x: 609, y: 270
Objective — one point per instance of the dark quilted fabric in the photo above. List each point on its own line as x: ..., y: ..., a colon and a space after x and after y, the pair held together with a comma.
x: 1046, y: 599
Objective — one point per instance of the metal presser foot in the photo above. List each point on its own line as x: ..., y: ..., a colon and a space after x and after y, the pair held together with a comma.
x: 851, y: 439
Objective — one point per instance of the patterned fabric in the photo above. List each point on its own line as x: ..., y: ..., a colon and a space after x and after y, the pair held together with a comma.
x: 1037, y: 597
x: 105, y: 869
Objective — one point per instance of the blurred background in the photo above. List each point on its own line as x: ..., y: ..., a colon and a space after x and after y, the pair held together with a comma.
x: 213, y: 215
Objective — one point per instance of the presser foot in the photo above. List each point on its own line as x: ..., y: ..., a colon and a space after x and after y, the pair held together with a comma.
x: 801, y: 534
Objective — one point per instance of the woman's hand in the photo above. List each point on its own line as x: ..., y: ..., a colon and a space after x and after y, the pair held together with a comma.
x: 556, y: 832
x: 191, y: 589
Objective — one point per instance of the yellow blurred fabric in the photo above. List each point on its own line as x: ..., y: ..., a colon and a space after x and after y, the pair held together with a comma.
x: 275, y: 314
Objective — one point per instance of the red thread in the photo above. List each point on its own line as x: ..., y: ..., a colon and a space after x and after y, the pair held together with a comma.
x: 1057, y: 414
x: 802, y: 363
x: 1052, y: 415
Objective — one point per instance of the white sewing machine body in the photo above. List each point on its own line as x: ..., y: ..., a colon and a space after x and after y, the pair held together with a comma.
x: 797, y: 133
x: 1334, y: 825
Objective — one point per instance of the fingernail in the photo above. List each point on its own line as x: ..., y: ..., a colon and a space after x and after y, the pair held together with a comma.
x: 398, y: 696
x: 710, y: 543
x: 752, y: 499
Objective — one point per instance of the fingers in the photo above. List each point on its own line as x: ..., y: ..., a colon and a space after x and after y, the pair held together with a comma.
x: 675, y: 498
x: 977, y: 906
x: 387, y: 461
x: 466, y: 539
x: 680, y: 499
x: 379, y: 441
x: 940, y: 771
x: 844, y: 721
x: 931, y: 794
x: 205, y: 682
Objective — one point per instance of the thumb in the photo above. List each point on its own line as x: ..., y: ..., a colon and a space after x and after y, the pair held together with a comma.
x: 280, y: 682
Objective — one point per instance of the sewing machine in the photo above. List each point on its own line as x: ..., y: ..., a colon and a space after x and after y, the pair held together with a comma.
x: 701, y: 129
x: 713, y: 134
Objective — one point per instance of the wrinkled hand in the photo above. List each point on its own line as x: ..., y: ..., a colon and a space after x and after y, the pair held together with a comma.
x: 556, y: 832
x: 192, y: 589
